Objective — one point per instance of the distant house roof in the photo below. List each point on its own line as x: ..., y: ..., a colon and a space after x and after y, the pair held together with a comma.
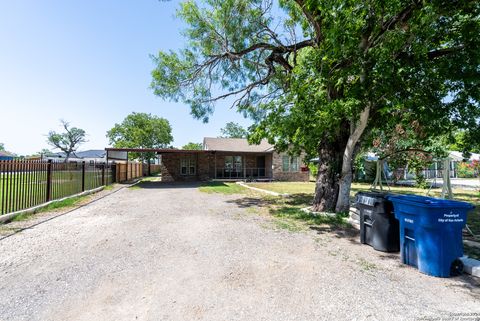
x: 458, y: 156
x: 92, y: 153
x: 235, y: 145
x: 4, y: 153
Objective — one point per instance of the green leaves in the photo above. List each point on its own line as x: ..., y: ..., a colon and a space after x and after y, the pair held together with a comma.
x: 141, y: 130
x: 233, y: 130
x: 303, y: 70
x: 193, y: 146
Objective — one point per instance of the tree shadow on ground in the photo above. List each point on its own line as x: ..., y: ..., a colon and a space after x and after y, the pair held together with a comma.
x: 248, y: 201
x: 290, y: 209
x: 267, y: 201
x: 468, y: 282
x: 342, y: 231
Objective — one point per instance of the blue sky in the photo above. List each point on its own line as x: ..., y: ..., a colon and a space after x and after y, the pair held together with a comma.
x: 88, y: 62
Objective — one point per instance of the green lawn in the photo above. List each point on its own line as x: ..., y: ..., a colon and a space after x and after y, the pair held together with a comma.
x: 66, y: 203
x: 286, y: 187
x: 223, y: 188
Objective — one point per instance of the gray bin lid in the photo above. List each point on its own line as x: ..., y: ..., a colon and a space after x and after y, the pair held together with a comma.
x: 370, y: 198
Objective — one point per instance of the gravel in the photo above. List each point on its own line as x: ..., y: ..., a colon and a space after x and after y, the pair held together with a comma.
x: 170, y: 252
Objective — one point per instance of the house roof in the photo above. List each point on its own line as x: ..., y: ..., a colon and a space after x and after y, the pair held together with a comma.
x: 235, y: 145
x: 458, y: 156
x: 210, y: 145
x: 6, y: 154
x: 91, y: 153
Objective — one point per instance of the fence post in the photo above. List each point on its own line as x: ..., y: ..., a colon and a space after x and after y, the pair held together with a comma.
x: 49, y: 180
x: 103, y: 174
x: 83, y: 176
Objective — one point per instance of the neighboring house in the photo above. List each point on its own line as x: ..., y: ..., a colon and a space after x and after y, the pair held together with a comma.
x: 4, y: 155
x: 227, y: 159
x: 435, y: 170
x: 92, y: 155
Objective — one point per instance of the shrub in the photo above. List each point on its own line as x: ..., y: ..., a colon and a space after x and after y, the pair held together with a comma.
x: 465, y: 170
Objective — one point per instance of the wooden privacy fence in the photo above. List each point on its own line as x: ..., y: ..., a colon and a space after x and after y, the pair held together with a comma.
x: 155, y: 169
x: 28, y: 183
x: 128, y: 171
x: 131, y: 170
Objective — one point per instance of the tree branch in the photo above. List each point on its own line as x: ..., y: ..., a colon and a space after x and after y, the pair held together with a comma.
x: 444, y: 52
x: 314, y: 18
x: 403, y: 16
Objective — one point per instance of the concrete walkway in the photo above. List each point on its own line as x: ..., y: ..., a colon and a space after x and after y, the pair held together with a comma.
x: 170, y: 252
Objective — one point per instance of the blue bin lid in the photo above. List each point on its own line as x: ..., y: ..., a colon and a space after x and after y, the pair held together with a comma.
x: 426, y: 201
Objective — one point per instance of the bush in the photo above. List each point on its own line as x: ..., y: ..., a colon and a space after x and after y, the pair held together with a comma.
x: 420, y: 181
x: 465, y: 170
x: 313, y: 169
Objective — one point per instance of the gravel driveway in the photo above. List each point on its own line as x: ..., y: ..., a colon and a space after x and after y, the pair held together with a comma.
x: 170, y: 252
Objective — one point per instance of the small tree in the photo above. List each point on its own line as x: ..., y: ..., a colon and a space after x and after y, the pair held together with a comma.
x: 193, y: 146
x: 141, y: 130
x: 45, y: 151
x: 2, y: 147
x: 233, y: 130
x: 68, y: 141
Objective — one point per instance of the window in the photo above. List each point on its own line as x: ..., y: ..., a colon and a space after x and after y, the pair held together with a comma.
x: 188, y: 166
x: 233, y: 164
x: 294, y: 164
x: 237, y: 163
x: 290, y: 164
x: 228, y: 163
x: 285, y: 163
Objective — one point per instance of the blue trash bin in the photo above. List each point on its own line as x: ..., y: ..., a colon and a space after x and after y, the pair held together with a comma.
x: 431, y: 232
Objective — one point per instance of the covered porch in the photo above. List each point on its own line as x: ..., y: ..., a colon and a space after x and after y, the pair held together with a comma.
x: 242, y: 165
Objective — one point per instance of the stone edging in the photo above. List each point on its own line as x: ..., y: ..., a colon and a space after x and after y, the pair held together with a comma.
x: 309, y: 211
x: 262, y: 190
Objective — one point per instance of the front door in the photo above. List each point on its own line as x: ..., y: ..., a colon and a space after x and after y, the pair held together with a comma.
x: 261, y: 166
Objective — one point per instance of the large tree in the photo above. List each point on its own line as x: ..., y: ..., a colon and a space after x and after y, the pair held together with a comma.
x: 67, y: 141
x: 141, y: 130
x: 323, y: 75
x: 233, y: 130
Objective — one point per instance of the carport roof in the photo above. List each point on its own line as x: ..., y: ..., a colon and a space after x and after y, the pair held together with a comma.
x: 153, y: 150
x: 179, y: 151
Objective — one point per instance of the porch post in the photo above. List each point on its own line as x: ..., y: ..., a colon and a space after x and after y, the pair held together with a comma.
x: 215, y: 164
x: 244, y: 164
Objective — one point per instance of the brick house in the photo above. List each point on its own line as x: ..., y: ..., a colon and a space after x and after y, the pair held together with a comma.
x: 228, y: 159
x: 232, y: 159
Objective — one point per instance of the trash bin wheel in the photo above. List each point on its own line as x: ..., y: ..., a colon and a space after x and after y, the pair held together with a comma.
x: 456, y: 268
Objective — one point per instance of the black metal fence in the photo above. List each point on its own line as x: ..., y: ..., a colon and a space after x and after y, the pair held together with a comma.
x: 28, y: 183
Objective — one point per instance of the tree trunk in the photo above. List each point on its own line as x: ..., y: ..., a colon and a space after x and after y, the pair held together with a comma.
x: 330, y: 154
x: 345, y: 183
